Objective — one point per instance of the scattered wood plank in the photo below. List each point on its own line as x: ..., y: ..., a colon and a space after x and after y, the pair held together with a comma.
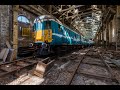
x: 8, y: 45
x: 97, y: 76
x: 34, y: 80
x: 5, y: 55
x: 116, y: 62
x: 10, y: 55
x: 27, y: 80
x: 2, y: 53
x: 19, y: 80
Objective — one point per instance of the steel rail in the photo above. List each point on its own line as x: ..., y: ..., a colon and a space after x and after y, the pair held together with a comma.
x: 113, y: 78
x: 73, y: 74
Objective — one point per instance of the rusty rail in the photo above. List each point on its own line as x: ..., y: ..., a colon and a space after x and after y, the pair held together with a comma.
x: 98, y: 76
x: 113, y: 78
x: 73, y: 74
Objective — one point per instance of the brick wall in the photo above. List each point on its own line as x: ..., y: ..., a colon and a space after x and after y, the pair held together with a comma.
x: 5, y: 25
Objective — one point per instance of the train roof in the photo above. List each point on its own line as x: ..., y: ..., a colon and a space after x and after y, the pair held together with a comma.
x: 46, y: 17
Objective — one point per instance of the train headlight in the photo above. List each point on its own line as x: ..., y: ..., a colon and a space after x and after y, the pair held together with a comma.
x: 30, y: 44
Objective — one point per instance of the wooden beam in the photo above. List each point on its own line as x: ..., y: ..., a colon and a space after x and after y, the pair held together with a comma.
x: 71, y: 8
x: 40, y: 9
x: 79, y: 12
x: 35, y: 10
x: 77, y: 15
x: 29, y: 9
x: 50, y: 9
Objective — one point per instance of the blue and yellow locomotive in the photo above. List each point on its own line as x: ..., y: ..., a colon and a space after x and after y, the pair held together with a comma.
x: 57, y: 35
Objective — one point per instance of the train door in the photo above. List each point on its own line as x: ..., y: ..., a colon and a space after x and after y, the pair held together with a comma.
x: 64, y: 36
x: 67, y: 36
x: 79, y: 39
x: 48, y: 32
x: 60, y: 34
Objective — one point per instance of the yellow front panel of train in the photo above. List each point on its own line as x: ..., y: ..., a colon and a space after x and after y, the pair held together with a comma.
x: 48, y: 35
x: 38, y: 35
x: 44, y: 35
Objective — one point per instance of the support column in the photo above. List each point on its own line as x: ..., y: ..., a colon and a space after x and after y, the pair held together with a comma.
x: 110, y: 34
x: 116, y: 34
x: 102, y: 37
x: 99, y: 39
x: 15, y: 30
x: 107, y: 36
x: 118, y: 28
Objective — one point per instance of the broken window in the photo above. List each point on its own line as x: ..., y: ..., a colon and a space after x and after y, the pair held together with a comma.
x: 59, y: 29
x: 23, y: 19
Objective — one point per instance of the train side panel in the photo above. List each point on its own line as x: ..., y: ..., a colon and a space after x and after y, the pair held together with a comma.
x: 63, y: 36
x: 56, y: 35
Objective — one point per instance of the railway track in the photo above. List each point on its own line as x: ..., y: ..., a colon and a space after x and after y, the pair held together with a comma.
x: 106, y: 65
x: 82, y: 68
x: 16, y: 66
x: 73, y: 74
x: 12, y: 68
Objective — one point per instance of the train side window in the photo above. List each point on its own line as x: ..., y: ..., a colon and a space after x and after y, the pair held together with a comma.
x: 48, y: 24
x: 59, y: 29
x: 34, y: 26
x: 69, y: 33
x: 75, y: 36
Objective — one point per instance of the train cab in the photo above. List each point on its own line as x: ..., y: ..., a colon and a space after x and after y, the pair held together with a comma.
x: 42, y: 29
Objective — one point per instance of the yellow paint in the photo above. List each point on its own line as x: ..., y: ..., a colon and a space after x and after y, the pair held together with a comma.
x: 38, y: 34
x: 47, y: 35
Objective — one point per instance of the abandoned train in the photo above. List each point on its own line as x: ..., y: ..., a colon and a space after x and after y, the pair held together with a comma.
x: 57, y: 35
